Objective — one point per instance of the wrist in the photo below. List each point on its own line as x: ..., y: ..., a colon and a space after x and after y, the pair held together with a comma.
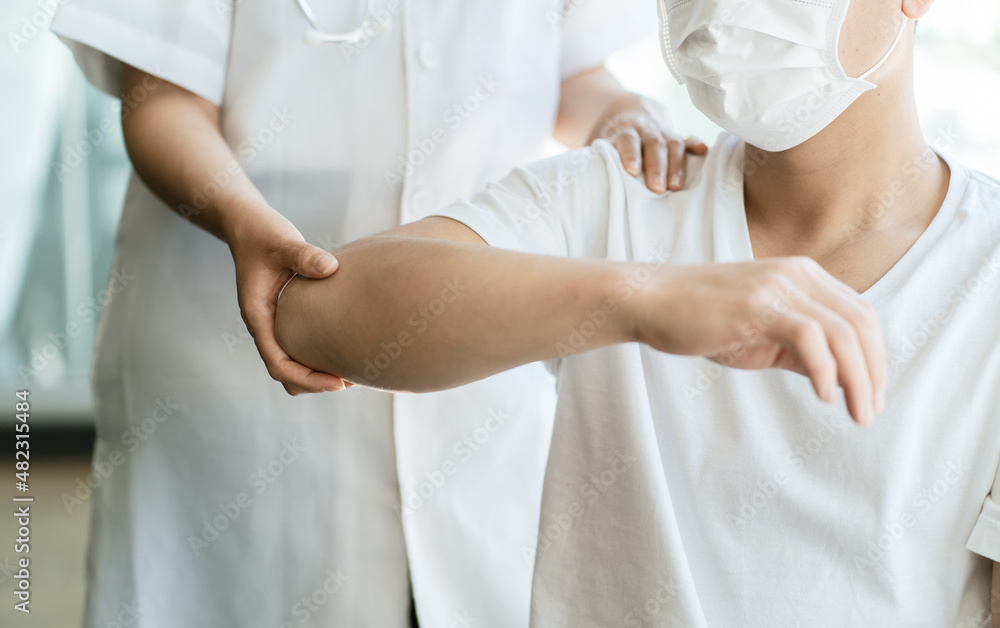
x: 240, y: 217
x: 650, y: 294
x: 621, y: 297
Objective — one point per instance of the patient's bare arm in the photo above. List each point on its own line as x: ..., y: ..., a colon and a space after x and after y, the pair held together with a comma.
x: 429, y: 306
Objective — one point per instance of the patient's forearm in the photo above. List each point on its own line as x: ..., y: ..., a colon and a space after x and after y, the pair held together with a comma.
x: 422, y: 314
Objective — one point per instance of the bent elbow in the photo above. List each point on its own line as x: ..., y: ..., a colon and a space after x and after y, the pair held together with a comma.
x: 292, y: 324
x: 310, y: 320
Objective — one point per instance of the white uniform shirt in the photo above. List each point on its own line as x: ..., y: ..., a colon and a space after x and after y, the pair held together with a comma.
x: 681, y: 493
x: 238, y: 505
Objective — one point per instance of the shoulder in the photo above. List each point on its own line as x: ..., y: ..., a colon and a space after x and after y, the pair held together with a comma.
x: 979, y: 200
x: 567, y: 170
x: 985, y: 188
x: 593, y: 172
x: 720, y: 171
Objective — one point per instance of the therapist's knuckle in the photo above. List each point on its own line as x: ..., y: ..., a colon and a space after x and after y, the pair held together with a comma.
x: 294, y: 391
x: 630, y: 134
x: 280, y: 374
x: 648, y: 130
x: 653, y: 140
x: 308, y: 257
x: 272, y: 247
x: 628, y: 145
x: 248, y: 321
x: 255, y: 320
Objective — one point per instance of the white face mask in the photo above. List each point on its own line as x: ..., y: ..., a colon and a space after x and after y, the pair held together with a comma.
x: 765, y: 70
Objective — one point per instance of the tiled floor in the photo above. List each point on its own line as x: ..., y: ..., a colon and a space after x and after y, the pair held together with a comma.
x: 58, y: 544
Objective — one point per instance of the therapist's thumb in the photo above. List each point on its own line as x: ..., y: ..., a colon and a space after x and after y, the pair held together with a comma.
x: 311, y: 261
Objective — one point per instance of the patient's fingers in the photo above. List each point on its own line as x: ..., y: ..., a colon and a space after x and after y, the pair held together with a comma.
x: 805, y: 339
x: 852, y: 370
x: 863, y: 317
x: 850, y: 328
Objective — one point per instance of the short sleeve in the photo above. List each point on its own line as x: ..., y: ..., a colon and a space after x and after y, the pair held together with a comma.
x: 985, y: 537
x: 185, y: 42
x: 558, y: 206
x: 591, y: 30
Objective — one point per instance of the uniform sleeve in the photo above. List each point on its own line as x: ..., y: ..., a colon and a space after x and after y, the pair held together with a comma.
x: 558, y: 206
x: 592, y: 30
x: 185, y: 42
x: 985, y: 537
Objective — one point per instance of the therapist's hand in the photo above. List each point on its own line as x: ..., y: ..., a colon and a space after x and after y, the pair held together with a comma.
x: 268, y: 250
x: 640, y: 129
x: 780, y: 313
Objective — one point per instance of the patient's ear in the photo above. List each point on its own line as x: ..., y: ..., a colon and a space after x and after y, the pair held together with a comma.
x: 916, y: 9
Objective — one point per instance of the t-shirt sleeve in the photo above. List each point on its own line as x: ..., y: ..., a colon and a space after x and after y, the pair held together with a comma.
x: 561, y: 206
x: 591, y: 30
x: 185, y: 42
x: 558, y: 206
x: 985, y: 537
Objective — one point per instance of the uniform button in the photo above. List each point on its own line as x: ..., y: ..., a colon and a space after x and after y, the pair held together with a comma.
x: 420, y: 202
x: 427, y: 54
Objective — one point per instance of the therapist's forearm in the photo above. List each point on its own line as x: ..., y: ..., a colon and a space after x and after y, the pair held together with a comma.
x: 419, y: 314
x: 583, y: 99
x: 177, y: 149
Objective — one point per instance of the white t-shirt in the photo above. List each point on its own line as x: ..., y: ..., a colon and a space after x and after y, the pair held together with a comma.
x: 682, y: 493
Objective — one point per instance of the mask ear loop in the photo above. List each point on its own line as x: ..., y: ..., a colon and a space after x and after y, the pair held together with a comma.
x: 886, y: 56
x: 666, y: 48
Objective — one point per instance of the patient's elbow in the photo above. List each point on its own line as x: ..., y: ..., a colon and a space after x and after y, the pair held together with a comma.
x: 330, y: 326
x: 292, y: 320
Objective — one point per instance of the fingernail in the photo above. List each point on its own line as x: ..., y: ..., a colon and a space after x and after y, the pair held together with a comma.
x: 659, y: 185
x: 633, y: 168
x: 675, y: 182
x: 326, y: 264
x: 334, y: 388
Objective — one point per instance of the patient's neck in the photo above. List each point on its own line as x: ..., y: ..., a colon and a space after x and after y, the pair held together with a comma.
x: 869, y: 178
